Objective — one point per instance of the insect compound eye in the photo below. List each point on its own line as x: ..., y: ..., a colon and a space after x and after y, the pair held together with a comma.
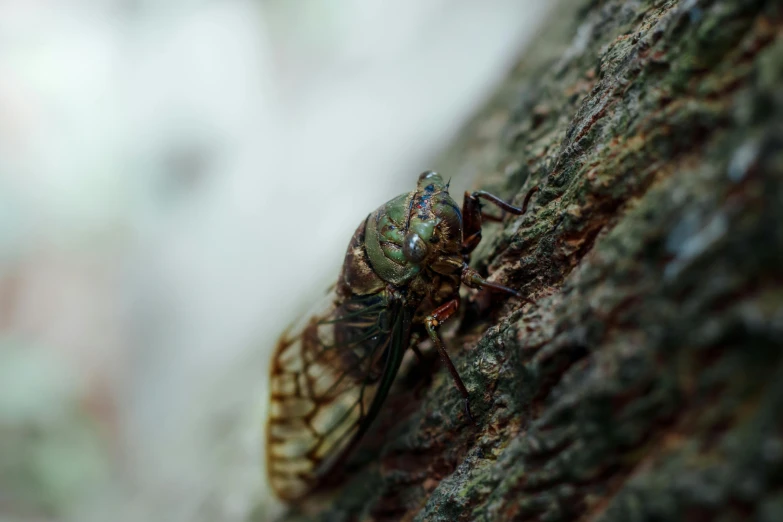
x: 427, y: 174
x: 414, y: 248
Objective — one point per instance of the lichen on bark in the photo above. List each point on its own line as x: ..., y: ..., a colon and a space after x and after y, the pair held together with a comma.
x: 644, y: 380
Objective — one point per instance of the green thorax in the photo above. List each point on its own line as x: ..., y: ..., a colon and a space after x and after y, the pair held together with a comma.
x: 407, y: 234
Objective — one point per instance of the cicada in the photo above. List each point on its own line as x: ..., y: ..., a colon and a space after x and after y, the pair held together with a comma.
x: 399, y: 282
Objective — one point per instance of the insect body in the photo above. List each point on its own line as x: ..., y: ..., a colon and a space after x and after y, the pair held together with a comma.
x: 330, y: 374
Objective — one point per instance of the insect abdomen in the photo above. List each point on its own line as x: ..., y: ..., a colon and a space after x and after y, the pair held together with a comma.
x: 357, y: 276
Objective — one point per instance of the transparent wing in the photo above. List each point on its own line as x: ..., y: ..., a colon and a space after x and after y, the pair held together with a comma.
x: 329, y: 378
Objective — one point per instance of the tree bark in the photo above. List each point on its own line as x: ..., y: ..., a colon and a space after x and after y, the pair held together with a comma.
x: 642, y: 378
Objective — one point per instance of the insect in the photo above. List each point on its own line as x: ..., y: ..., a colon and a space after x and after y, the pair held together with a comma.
x: 400, y: 280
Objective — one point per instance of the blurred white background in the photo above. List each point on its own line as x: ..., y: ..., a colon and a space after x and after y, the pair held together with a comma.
x: 178, y: 179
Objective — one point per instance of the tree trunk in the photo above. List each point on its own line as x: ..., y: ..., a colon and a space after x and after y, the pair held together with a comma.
x: 642, y: 378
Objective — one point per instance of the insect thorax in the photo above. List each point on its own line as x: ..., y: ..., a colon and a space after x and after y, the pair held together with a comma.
x: 412, y: 243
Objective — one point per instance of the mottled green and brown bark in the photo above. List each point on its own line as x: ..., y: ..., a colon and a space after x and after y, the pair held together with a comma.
x: 646, y: 380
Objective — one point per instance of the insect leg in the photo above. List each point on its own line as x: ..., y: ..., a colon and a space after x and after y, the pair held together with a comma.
x: 415, y: 348
x: 511, y: 209
x: 471, y: 224
x: 472, y: 215
x: 432, y: 322
x: 490, y: 217
x: 472, y: 279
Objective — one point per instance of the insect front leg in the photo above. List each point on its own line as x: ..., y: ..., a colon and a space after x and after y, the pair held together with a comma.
x: 472, y: 215
x: 431, y: 323
x: 473, y: 279
x: 416, y: 351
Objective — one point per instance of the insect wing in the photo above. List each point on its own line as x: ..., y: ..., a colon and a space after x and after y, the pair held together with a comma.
x: 329, y: 378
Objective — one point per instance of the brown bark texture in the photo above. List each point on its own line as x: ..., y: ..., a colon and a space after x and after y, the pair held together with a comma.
x: 642, y: 379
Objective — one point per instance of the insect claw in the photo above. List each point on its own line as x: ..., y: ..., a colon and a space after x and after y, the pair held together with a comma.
x: 472, y: 279
x: 499, y: 288
x: 467, y: 410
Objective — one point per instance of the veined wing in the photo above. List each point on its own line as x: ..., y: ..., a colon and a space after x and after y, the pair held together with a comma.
x: 329, y: 378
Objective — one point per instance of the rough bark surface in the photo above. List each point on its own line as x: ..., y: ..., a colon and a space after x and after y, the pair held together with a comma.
x: 645, y: 380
